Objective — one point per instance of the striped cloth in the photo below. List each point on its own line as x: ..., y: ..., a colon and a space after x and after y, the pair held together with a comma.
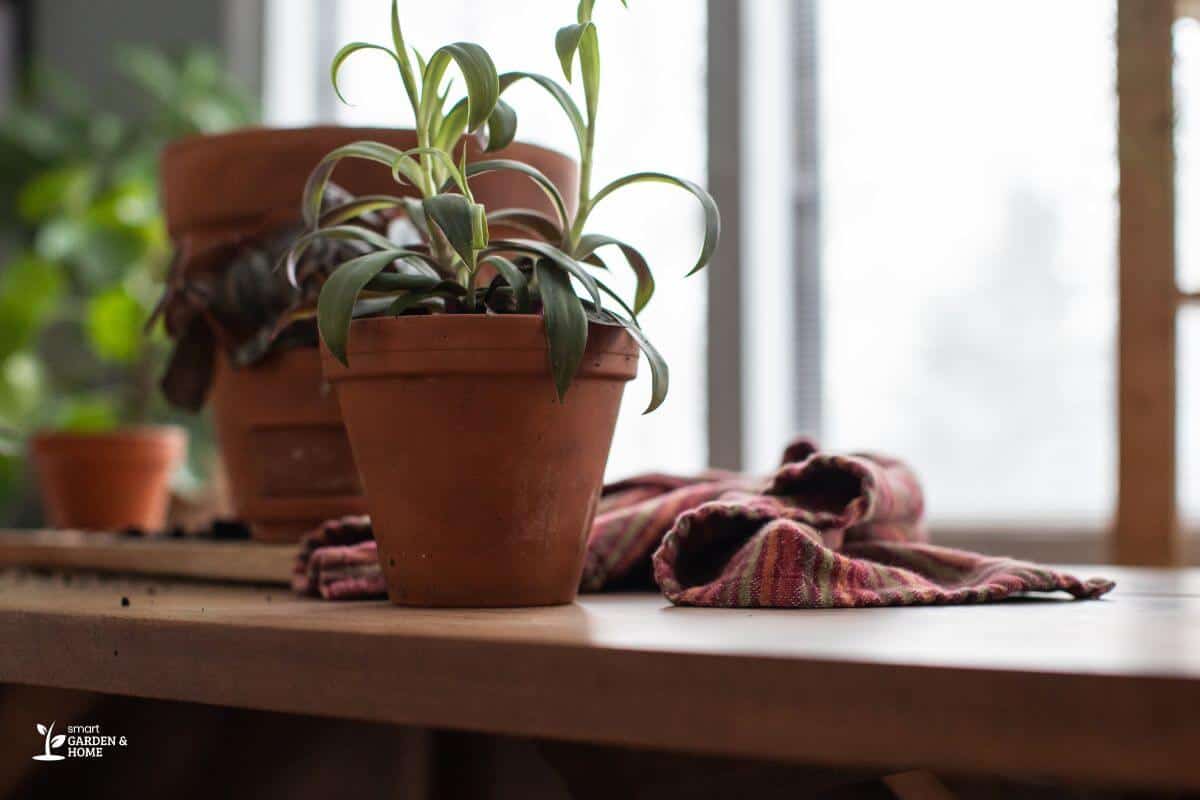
x: 825, y: 531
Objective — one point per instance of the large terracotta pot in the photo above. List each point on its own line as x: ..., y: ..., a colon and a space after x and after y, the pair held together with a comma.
x: 108, y: 481
x: 284, y: 446
x: 277, y: 431
x: 245, y: 181
x: 481, y: 485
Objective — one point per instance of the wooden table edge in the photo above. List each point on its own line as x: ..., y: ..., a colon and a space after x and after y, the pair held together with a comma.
x: 1007, y: 722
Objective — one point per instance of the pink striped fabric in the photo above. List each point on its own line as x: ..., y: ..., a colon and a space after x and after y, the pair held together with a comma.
x: 824, y: 531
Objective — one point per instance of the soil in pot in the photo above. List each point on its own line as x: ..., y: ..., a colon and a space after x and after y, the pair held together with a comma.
x: 481, y: 484
x: 108, y: 481
x: 284, y: 446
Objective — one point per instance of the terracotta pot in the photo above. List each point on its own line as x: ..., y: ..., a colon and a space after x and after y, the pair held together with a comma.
x: 245, y: 181
x: 219, y: 191
x: 108, y: 481
x: 284, y: 446
x: 481, y: 485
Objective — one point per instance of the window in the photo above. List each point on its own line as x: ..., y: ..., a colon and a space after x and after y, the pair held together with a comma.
x: 650, y: 94
x: 969, y: 182
x: 968, y: 179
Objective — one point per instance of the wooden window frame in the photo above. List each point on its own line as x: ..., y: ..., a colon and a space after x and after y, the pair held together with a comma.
x: 1147, y: 526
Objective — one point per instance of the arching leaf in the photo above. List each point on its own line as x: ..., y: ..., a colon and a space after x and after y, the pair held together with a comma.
x: 405, y: 163
x: 712, y: 215
x: 552, y: 255
x: 318, y: 179
x: 353, y: 209
x: 529, y: 221
x: 408, y: 281
x: 560, y: 95
x: 589, y: 243
x: 515, y: 278
x: 342, y: 233
x: 453, y: 216
x: 340, y: 57
x: 584, y: 12
x: 565, y: 324
x: 335, y: 306
x: 479, y: 73
x: 501, y: 127
x: 447, y: 290
x: 406, y: 71
x: 537, y: 176
x: 660, y: 375
x: 581, y: 38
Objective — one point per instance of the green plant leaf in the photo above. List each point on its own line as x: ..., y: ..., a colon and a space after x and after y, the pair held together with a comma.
x: 452, y: 127
x: 479, y: 73
x: 10, y: 443
x: 452, y: 215
x: 30, y: 290
x: 114, y: 326
x: 405, y: 164
x: 607, y: 290
x: 515, y: 278
x: 406, y: 71
x: 479, y: 226
x: 566, y: 43
x: 88, y: 414
x: 335, y: 306
x: 581, y: 38
x: 560, y: 95
x: 318, y: 179
x: 406, y: 301
x: 353, y: 209
x: 660, y: 375
x: 565, y: 324
x: 528, y: 221
x: 537, y: 176
x: 404, y: 282
x: 350, y: 49
x: 448, y: 290
x: 344, y: 233
x: 589, y: 243
x: 416, y: 214
x: 584, y: 12
x: 501, y: 126
x: 554, y: 256
x: 712, y: 215
x: 54, y: 190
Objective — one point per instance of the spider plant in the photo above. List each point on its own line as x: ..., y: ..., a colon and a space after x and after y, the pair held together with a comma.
x: 440, y: 270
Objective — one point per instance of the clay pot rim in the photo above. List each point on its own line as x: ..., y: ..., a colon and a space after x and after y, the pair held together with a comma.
x: 125, y: 434
x: 187, y: 145
x: 517, y: 324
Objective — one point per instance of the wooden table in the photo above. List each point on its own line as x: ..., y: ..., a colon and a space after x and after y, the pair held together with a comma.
x: 1101, y: 692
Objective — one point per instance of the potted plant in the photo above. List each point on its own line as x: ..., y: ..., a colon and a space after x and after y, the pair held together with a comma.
x: 243, y: 344
x: 479, y: 388
x: 87, y: 252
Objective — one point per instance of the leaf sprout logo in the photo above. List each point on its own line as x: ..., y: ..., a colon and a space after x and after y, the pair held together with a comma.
x: 51, y: 741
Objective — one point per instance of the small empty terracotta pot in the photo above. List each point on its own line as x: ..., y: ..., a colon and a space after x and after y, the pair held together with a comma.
x: 108, y: 481
x: 481, y: 484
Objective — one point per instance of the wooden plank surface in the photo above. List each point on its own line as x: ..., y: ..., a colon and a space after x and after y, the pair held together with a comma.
x: 1146, y: 524
x: 240, y: 561
x: 1089, y: 691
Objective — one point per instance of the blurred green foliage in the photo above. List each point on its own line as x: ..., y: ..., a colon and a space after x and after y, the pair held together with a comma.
x: 83, y: 246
